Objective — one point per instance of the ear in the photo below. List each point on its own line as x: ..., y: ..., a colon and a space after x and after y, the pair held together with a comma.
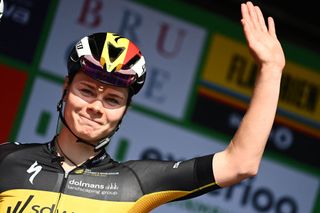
x: 66, y: 83
x: 65, y: 87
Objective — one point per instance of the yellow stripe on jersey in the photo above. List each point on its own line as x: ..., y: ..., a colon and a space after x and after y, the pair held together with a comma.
x: 33, y: 201
x: 150, y: 201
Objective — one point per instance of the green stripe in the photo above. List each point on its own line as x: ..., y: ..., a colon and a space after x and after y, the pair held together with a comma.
x: 122, y: 149
x: 43, y: 123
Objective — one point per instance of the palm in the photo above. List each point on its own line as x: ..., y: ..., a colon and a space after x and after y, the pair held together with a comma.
x: 262, y: 41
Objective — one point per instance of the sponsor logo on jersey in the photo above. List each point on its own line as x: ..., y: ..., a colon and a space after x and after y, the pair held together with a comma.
x: 34, y: 169
x: 176, y: 165
x: 21, y: 206
x: 17, y: 207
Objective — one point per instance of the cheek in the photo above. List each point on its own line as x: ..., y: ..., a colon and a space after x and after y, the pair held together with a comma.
x: 114, y: 115
x: 73, y: 104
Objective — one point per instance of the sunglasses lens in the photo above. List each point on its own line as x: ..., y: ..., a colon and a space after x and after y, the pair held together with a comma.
x: 121, y: 78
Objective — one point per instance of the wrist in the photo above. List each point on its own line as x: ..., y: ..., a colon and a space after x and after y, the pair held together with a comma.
x: 271, y: 71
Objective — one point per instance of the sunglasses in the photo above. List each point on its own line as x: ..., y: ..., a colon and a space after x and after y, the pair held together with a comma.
x: 120, y: 78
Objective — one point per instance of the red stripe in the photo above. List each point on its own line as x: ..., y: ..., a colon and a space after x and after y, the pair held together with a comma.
x: 12, y: 87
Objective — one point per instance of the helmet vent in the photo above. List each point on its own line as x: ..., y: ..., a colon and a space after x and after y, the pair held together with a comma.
x: 132, y: 62
x: 114, y: 52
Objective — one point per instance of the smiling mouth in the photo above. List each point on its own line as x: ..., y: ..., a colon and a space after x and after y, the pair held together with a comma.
x: 90, y: 120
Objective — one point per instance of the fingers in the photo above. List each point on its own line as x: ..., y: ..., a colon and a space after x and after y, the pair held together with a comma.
x: 271, y: 26
x: 244, y: 12
x: 262, y: 23
x: 253, y: 16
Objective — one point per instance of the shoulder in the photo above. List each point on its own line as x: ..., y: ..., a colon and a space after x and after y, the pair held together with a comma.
x: 138, y: 165
x: 9, y: 147
x: 13, y: 148
x: 18, y: 145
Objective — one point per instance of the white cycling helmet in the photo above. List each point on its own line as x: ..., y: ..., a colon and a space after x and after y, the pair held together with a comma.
x: 110, y: 59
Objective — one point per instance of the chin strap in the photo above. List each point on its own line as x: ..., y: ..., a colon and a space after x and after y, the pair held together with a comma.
x: 102, y: 142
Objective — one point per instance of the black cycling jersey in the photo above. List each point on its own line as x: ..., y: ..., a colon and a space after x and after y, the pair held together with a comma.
x: 32, y: 180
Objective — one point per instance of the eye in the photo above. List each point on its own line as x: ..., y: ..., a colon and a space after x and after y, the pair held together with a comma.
x: 86, y: 92
x: 110, y: 101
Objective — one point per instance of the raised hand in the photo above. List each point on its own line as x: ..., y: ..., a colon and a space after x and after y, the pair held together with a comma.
x: 262, y: 39
x: 242, y: 157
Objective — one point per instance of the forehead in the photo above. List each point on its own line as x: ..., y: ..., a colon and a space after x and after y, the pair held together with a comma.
x: 81, y: 77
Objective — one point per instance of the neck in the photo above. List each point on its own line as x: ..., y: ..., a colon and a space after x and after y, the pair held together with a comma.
x: 74, y: 153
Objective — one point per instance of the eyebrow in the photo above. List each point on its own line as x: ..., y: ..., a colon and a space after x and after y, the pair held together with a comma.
x: 115, y: 94
x: 85, y: 83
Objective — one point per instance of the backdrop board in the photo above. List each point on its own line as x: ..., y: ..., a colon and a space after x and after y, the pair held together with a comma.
x: 200, y: 77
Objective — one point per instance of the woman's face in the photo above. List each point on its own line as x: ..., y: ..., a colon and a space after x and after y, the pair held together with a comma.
x: 92, y: 109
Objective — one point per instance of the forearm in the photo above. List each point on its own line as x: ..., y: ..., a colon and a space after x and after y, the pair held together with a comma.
x: 250, y: 140
x: 241, y: 158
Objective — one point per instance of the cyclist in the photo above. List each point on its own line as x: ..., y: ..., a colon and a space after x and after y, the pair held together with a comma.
x: 73, y: 172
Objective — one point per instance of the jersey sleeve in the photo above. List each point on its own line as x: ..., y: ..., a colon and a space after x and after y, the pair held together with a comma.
x: 187, y: 179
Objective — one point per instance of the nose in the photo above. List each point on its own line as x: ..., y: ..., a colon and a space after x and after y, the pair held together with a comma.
x: 95, y: 107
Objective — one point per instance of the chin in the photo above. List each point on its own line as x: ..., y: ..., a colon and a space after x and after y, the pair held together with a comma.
x: 90, y: 136
x: 89, y: 133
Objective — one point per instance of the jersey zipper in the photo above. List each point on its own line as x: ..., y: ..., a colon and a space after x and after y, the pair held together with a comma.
x: 65, y: 178
x: 63, y: 185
